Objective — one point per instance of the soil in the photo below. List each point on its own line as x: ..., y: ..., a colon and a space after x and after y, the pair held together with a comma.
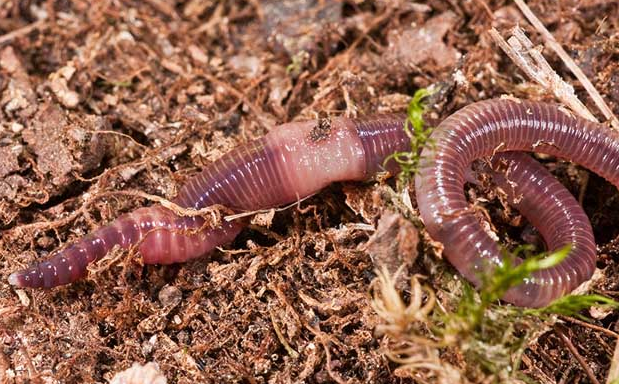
x: 102, y: 98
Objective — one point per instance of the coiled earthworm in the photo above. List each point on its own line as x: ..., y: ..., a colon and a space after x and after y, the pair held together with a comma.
x: 298, y: 159
x: 487, y: 127
x: 293, y: 161
x: 552, y: 209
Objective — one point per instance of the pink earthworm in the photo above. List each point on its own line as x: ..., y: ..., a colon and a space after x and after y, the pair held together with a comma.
x: 298, y: 159
x: 484, y: 128
x: 293, y: 161
x: 552, y: 209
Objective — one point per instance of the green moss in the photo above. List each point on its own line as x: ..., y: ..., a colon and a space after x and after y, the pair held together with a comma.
x: 297, y: 63
x: 572, y: 305
x: 419, y: 136
x: 490, y: 337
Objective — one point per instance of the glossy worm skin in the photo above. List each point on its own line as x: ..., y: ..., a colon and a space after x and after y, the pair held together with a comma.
x: 487, y: 127
x: 293, y: 161
x: 552, y: 209
x: 298, y: 159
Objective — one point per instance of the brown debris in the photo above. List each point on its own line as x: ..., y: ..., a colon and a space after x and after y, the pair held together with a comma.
x: 101, y: 98
x: 64, y: 145
x: 264, y: 219
x: 58, y: 83
x: 18, y: 98
x: 296, y: 25
x: 412, y: 47
x: 9, y: 160
x: 394, y: 243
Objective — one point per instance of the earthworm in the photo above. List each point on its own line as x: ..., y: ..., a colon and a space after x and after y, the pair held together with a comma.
x: 551, y: 208
x: 482, y: 129
x: 298, y: 159
x: 293, y: 161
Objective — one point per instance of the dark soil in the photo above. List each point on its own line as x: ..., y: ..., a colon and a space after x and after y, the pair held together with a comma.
x: 104, y: 97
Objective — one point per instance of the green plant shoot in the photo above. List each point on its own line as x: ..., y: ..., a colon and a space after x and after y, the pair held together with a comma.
x: 471, y: 311
x: 417, y: 132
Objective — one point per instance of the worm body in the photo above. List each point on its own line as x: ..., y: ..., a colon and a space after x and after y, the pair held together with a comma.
x: 552, y: 209
x: 487, y: 127
x: 298, y: 159
x: 293, y: 161
x: 163, y: 238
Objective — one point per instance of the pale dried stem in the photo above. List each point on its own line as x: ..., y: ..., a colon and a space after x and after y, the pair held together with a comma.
x: 282, y: 339
x: 7, y: 38
x: 530, y: 60
x: 572, y: 66
x: 240, y: 215
x: 613, y: 372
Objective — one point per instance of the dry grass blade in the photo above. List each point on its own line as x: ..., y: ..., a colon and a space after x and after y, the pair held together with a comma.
x: 575, y: 69
x: 530, y: 60
x: 237, y: 216
x: 389, y: 305
x: 613, y: 372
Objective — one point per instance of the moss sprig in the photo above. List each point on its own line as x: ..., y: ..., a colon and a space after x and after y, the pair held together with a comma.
x: 419, y: 134
x: 490, y: 336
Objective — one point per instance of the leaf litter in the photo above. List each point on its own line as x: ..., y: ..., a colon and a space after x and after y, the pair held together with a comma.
x: 103, y: 97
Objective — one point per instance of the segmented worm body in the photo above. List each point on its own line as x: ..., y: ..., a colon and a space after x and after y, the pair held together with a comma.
x: 298, y: 159
x: 293, y: 161
x: 484, y: 128
x: 550, y: 208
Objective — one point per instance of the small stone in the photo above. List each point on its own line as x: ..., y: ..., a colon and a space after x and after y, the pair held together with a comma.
x: 140, y: 374
x: 110, y: 100
x: 148, y: 346
x: 198, y: 55
x: 170, y: 296
x: 248, y: 66
x: 16, y: 127
x: 23, y: 297
x: 125, y: 35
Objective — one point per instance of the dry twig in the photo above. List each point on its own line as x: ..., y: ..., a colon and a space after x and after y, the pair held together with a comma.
x: 591, y: 326
x: 6, y: 38
x: 575, y: 69
x: 164, y: 8
x: 531, y: 61
x: 566, y: 341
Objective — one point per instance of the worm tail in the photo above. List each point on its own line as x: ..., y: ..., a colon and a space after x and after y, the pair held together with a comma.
x: 163, y: 237
x: 70, y: 264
